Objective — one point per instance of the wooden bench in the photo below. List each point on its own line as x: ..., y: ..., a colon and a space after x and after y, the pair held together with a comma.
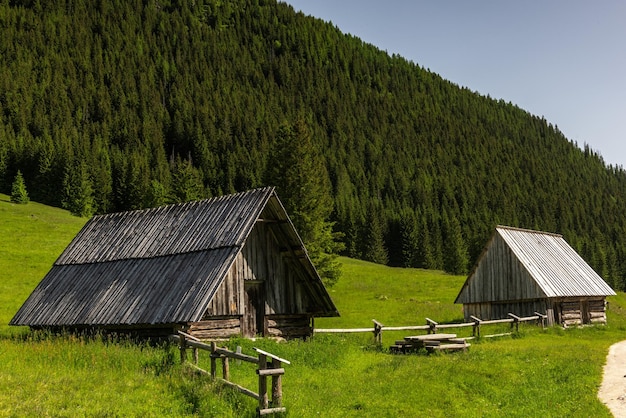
x: 448, y: 347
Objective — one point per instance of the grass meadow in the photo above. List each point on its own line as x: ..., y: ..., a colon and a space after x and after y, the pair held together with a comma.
x: 547, y: 373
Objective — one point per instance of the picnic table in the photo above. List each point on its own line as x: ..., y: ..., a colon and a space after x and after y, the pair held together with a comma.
x: 431, y: 342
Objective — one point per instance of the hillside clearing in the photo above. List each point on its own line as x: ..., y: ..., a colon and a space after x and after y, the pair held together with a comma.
x: 534, y: 373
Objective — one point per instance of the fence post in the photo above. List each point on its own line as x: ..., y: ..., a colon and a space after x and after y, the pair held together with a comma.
x: 182, y: 347
x: 213, y: 360
x: 263, y: 401
x: 277, y: 386
x: 225, y: 368
x: 195, y: 355
x: 515, y: 321
x: 542, y: 319
x: 433, y: 326
x: 378, y: 332
x: 476, y: 327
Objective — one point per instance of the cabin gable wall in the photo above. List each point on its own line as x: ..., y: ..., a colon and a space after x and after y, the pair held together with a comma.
x: 262, y: 293
x: 500, y: 276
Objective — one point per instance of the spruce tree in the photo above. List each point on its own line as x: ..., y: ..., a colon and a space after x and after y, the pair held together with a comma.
x: 18, y: 190
x: 78, y: 190
x: 374, y: 239
x: 455, y: 258
x: 296, y: 168
x: 186, y: 181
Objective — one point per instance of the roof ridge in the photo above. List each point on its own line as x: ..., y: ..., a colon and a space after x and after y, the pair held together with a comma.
x: 531, y: 231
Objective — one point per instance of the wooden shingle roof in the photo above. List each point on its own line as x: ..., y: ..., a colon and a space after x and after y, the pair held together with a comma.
x: 546, y: 262
x: 155, y: 266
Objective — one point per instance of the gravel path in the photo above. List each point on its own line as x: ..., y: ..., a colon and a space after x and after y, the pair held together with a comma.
x: 613, y: 389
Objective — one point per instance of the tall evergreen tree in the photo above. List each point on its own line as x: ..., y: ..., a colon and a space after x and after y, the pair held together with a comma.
x: 78, y: 190
x: 374, y: 238
x: 295, y: 167
x: 455, y: 257
x: 186, y: 181
x: 18, y: 190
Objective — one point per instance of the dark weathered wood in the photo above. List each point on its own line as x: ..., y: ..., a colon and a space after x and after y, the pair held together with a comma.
x: 214, y: 358
x: 225, y: 368
x: 263, y: 399
x: 292, y: 332
x: 277, y: 385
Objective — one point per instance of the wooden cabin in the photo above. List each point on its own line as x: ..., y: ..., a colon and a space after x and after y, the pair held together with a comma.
x: 232, y: 265
x: 522, y: 272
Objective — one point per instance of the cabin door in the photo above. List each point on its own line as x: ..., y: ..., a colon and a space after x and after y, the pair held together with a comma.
x: 585, y: 318
x: 253, y: 321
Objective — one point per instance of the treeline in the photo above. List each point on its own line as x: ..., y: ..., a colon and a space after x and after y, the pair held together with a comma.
x: 116, y: 105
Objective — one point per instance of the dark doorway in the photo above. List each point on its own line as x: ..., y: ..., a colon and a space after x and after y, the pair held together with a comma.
x: 253, y: 321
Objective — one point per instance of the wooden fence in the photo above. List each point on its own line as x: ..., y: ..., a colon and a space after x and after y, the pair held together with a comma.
x: 433, y: 327
x: 268, y: 365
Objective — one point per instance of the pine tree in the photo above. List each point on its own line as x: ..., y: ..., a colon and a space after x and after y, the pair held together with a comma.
x: 297, y: 170
x: 374, y: 239
x: 455, y: 257
x: 157, y: 194
x: 186, y: 181
x: 78, y: 191
x: 18, y: 190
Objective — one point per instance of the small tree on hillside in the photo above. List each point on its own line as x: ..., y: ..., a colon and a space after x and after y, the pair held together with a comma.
x: 187, y: 182
x: 18, y: 190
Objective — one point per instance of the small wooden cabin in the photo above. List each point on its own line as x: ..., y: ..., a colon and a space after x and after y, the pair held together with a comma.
x: 232, y: 265
x: 522, y: 272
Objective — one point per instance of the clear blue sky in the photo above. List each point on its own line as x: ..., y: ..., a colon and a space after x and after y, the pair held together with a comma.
x: 564, y: 60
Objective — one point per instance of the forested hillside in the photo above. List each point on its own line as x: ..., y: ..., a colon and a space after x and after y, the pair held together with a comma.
x: 114, y: 105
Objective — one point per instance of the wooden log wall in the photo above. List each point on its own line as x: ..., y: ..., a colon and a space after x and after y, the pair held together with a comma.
x: 216, y: 328
x: 597, y: 311
x: 565, y: 311
x: 289, y: 326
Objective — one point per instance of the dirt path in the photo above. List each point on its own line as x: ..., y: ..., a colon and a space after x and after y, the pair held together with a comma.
x: 613, y: 389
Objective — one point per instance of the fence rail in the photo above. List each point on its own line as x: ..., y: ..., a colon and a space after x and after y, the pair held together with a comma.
x: 432, y: 326
x: 268, y: 365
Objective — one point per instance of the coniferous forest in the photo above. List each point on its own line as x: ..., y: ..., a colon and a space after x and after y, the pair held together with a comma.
x: 116, y: 105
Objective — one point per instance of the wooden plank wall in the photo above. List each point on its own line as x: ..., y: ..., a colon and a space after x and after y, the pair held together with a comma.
x: 500, y: 276
x: 262, y: 260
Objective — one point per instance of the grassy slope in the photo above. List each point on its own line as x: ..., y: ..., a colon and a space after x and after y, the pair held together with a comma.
x: 548, y: 373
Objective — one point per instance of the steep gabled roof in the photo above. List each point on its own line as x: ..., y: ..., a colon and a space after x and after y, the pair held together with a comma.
x: 156, y: 266
x: 546, y: 260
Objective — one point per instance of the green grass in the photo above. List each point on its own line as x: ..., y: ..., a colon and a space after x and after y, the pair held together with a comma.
x: 33, y: 236
x: 551, y: 373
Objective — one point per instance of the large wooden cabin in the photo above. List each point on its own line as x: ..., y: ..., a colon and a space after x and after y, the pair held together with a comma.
x: 227, y: 266
x: 522, y: 272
